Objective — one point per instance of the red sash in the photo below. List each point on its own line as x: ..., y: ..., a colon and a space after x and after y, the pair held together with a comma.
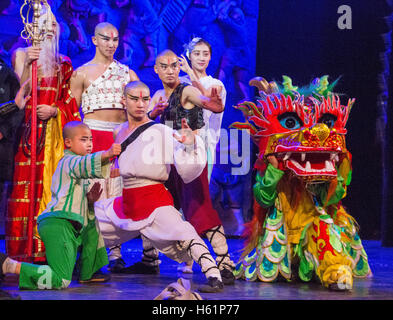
x: 139, y: 203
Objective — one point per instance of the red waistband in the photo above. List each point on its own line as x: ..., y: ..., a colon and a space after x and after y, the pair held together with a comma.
x: 139, y: 203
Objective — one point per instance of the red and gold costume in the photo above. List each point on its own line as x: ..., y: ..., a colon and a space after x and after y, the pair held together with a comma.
x: 52, y: 91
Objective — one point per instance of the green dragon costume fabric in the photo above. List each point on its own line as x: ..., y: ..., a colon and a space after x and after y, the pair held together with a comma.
x: 300, y: 228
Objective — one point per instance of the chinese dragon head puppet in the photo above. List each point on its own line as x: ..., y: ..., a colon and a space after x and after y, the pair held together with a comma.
x: 305, y: 133
x: 303, y: 169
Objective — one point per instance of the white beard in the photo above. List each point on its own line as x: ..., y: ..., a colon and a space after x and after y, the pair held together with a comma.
x: 48, y: 60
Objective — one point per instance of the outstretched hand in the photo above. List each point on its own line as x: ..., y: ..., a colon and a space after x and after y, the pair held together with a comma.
x: 214, y: 102
x: 159, y: 108
x: 23, y: 94
x: 185, y: 134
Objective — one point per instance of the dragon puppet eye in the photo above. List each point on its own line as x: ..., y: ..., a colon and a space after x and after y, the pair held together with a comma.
x: 290, y: 120
x: 328, y: 119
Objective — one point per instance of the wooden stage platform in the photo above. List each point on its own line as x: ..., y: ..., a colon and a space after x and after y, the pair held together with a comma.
x: 146, y: 287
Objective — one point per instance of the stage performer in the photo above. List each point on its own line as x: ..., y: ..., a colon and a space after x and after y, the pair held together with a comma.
x: 8, y: 110
x: 10, y: 107
x: 146, y: 207
x: 199, y: 52
x: 9, y: 85
x: 98, y: 88
x: 68, y: 221
x: 300, y: 229
x: 175, y: 101
x: 55, y: 107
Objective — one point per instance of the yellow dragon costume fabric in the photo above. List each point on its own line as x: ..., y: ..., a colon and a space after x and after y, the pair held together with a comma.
x: 300, y: 229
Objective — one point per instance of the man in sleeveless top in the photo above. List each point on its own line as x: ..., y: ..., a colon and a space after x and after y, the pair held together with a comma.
x: 174, y: 102
x: 98, y: 88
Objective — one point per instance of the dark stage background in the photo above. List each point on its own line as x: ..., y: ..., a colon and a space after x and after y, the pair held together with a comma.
x: 298, y: 38
x: 302, y: 39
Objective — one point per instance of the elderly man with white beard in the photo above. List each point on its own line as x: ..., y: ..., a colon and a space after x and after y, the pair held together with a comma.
x: 55, y: 107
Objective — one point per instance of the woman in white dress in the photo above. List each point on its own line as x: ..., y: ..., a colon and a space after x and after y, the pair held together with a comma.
x: 199, y: 52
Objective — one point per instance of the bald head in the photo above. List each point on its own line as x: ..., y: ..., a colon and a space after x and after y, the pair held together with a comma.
x: 71, y: 128
x: 106, y: 40
x: 103, y: 26
x: 135, y: 85
x: 167, y: 54
x: 46, y: 17
x: 167, y: 67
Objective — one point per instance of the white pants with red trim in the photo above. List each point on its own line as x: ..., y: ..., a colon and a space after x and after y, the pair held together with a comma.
x: 166, y: 230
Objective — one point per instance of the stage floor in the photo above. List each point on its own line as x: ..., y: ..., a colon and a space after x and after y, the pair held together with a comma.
x: 146, y: 287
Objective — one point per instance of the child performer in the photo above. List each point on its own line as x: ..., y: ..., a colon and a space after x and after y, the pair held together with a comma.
x: 67, y: 223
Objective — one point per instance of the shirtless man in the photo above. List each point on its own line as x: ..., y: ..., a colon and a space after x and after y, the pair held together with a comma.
x: 98, y: 88
x: 98, y: 84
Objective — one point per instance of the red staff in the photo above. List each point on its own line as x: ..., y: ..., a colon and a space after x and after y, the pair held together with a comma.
x: 35, y: 35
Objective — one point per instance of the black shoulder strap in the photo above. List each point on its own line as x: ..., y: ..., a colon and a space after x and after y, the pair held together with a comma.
x: 135, y: 135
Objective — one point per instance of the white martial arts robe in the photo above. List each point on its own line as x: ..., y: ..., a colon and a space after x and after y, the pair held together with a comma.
x: 147, y: 161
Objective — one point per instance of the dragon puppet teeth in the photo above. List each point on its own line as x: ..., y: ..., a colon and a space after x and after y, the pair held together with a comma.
x: 287, y: 156
x: 328, y: 169
x: 334, y: 157
x: 329, y: 165
x: 303, y: 156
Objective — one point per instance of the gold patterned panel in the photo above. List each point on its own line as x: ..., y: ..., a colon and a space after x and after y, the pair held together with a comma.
x: 27, y: 163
